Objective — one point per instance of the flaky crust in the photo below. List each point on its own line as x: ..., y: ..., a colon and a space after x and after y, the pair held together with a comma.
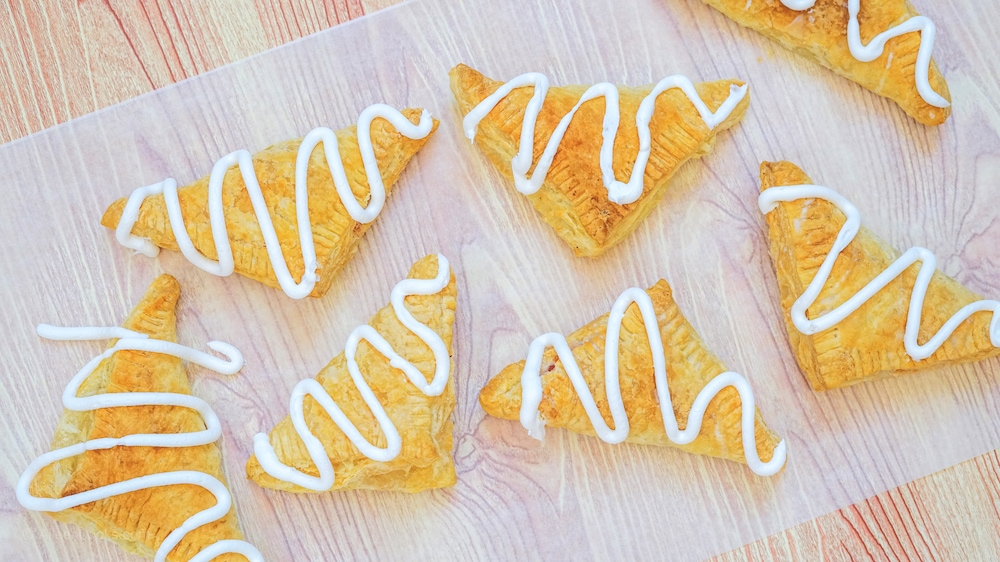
x: 820, y: 34
x: 424, y: 422
x: 335, y: 233
x: 868, y: 343
x: 139, y: 521
x: 573, y: 199
x: 690, y: 366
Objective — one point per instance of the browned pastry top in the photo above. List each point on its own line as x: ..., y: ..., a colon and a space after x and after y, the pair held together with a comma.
x: 335, y: 233
x: 424, y: 422
x: 573, y: 198
x: 690, y: 366
x: 868, y: 343
x: 820, y: 34
x: 139, y: 521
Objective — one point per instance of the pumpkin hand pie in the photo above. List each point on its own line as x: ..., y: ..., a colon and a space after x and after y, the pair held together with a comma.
x: 644, y: 368
x: 594, y: 160
x: 290, y: 216
x: 855, y: 307
x: 134, y: 458
x: 883, y: 45
x: 379, y: 415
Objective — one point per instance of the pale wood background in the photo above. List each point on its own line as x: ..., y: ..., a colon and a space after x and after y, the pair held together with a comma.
x: 62, y: 62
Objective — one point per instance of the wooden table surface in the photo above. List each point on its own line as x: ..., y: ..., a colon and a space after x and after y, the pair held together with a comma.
x: 60, y: 62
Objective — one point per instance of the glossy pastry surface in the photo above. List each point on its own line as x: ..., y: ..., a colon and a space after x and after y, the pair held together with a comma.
x: 298, y: 221
x: 870, y: 341
x: 820, y: 30
x: 181, y: 477
x: 694, y: 381
x: 576, y: 197
x: 396, y: 429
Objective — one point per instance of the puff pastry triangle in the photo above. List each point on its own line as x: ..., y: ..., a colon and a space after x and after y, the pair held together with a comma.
x: 819, y: 32
x: 869, y: 342
x: 690, y: 370
x: 335, y: 231
x: 573, y: 198
x: 139, y: 521
x: 421, y: 417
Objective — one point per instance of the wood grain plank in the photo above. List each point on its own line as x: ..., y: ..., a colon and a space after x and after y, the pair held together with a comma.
x: 60, y: 62
x: 950, y: 515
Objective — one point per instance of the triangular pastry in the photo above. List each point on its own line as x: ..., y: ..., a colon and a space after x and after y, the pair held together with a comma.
x: 597, y: 169
x: 166, y: 468
x: 339, y: 180
x: 379, y: 415
x: 668, y: 390
x: 847, y: 299
x: 883, y: 45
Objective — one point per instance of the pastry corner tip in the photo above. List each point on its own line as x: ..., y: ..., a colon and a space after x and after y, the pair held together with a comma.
x: 424, y: 264
x: 501, y: 396
x: 781, y: 172
x: 156, y: 313
x: 164, y: 290
x: 767, y: 166
x: 427, y: 267
x: 165, y: 282
x: 663, y: 285
x: 462, y: 71
x: 252, y: 468
x: 740, y: 83
x: 458, y: 69
x: 415, y: 114
x: 747, y: 89
x: 487, y: 399
x: 255, y: 473
x: 933, y: 116
x: 465, y: 81
x: 927, y: 113
x: 721, y: 92
x: 113, y: 215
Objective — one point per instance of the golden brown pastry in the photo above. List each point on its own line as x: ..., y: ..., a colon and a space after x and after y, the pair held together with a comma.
x: 820, y: 33
x: 141, y: 520
x: 573, y: 198
x: 408, y: 448
x: 339, y: 212
x: 541, y: 390
x: 868, y: 342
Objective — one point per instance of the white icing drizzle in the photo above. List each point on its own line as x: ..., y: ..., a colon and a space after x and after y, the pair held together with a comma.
x: 531, y: 388
x: 769, y: 200
x: 136, y: 341
x: 618, y: 192
x: 262, y: 447
x: 874, y: 49
x: 242, y: 158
